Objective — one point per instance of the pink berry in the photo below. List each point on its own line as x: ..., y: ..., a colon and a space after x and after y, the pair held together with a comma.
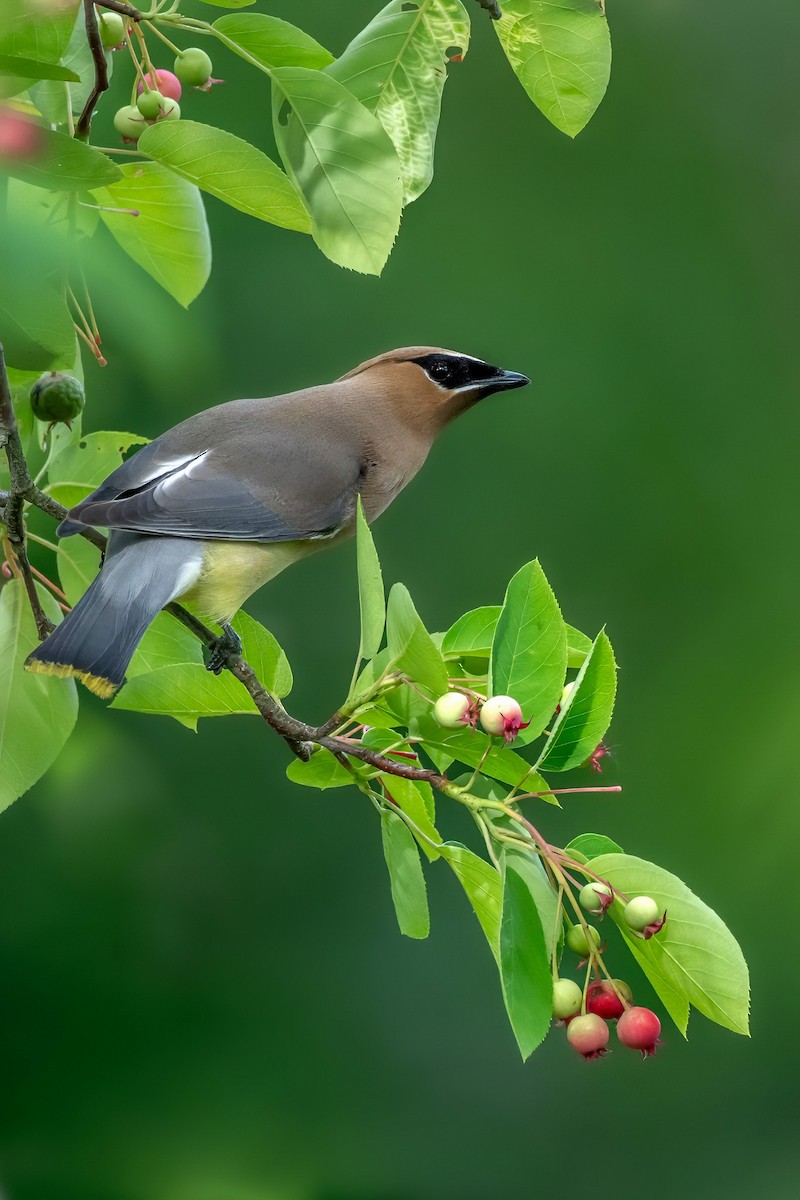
x: 638, y: 1029
x: 502, y: 717
x: 602, y: 999
x: 588, y: 1035
x: 164, y: 82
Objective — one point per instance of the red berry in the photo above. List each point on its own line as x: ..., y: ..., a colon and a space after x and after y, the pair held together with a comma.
x: 164, y: 82
x: 602, y: 999
x: 638, y: 1029
x: 588, y: 1035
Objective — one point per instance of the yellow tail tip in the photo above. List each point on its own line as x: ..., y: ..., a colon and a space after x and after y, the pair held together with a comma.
x: 101, y: 687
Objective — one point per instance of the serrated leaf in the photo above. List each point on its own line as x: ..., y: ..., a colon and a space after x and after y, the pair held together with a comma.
x: 271, y: 41
x: 483, y: 887
x: 472, y: 634
x: 411, y: 648
x: 470, y: 747
x: 31, y: 68
x: 586, y: 715
x: 524, y: 967
x: 63, y: 164
x: 40, y: 32
x: 529, y: 868
x: 344, y: 164
x: 229, y: 168
x: 397, y: 68
x: 322, y: 771
x: 54, y: 101
x: 578, y: 646
x: 169, y: 238
x: 694, y: 956
x: 37, y: 712
x: 415, y: 798
x: 405, y: 874
x: 560, y: 50
x: 372, y: 602
x: 529, y: 650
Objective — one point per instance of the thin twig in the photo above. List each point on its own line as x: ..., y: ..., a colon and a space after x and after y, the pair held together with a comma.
x: 124, y: 10
x: 100, y: 67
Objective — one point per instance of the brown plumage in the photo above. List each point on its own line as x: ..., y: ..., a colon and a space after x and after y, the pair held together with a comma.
x: 221, y: 503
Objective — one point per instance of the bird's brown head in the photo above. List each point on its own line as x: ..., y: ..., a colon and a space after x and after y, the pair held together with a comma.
x: 430, y: 386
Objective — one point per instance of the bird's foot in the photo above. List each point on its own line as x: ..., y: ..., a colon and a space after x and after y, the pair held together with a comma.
x: 227, y: 646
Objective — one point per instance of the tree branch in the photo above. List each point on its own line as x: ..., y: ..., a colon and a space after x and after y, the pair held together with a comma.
x: 124, y: 10
x: 492, y: 7
x: 299, y: 736
x: 100, y: 69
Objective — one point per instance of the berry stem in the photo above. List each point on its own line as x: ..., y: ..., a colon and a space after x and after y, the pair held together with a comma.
x: 154, y: 29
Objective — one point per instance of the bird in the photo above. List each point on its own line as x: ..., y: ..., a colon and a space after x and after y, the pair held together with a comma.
x: 218, y: 505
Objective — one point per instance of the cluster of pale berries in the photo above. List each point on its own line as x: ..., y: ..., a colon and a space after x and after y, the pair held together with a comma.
x: 500, y: 716
x: 159, y: 100
x: 586, y: 1013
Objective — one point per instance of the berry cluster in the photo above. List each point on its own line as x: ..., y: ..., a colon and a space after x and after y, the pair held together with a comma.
x: 500, y: 716
x: 586, y: 1012
x: 157, y: 91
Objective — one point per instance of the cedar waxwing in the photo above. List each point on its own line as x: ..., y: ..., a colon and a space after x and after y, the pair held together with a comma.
x: 214, y: 508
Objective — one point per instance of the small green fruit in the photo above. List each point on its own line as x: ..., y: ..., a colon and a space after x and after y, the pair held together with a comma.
x: 129, y: 122
x: 576, y: 939
x: 150, y: 105
x: 451, y: 710
x: 170, y: 110
x: 112, y: 30
x: 193, y: 67
x: 567, y: 999
x: 596, y: 897
x: 57, y: 397
x: 641, y: 912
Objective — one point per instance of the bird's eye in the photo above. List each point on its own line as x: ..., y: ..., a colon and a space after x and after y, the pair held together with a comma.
x: 439, y: 371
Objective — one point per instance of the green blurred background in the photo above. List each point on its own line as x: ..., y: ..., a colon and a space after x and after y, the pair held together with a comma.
x: 204, y: 995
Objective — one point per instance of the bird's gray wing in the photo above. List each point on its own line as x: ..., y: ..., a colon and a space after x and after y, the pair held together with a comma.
x: 275, y: 488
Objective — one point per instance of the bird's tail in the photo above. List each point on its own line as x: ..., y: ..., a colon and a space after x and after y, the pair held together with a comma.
x: 96, y: 640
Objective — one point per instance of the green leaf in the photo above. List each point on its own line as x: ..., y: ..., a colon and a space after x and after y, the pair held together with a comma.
x: 472, y: 634
x: 271, y: 41
x: 229, y: 168
x: 584, y: 718
x: 415, y: 798
x: 591, y: 845
x: 483, y: 887
x: 470, y: 746
x: 411, y: 648
x: 560, y: 51
x: 37, y: 329
x: 169, y: 237
x: 524, y: 967
x: 694, y: 958
x: 230, y: 3
x: 37, y: 712
x: 343, y: 162
x: 396, y: 67
x: 372, y: 601
x: 529, y: 651
x: 405, y: 874
x: 578, y: 647
x: 262, y: 651
x: 41, y: 32
x: 63, y: 164
x: 529, y: 868
x: 30, y: 68
x: 83, y: 465
x: 322, y: 771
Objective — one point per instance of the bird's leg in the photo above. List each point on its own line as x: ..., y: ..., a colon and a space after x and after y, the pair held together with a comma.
x: 227, y: 645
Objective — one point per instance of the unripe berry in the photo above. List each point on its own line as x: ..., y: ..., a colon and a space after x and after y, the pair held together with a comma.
x: 112, y: 30
x: 569, y: 688
x: 129, y: 122
x: 502, y: 717
x: 638, y: 1029
x: 57, y: 397
x: 567, y: 999
x: 452, y: 710
x: 193, y: 67
x: 641, y: 912
x: 596, y: 897
x: 576, y: 939
x: 170, y: 110
x: 164, y: 82
x: 150, y: 105
x: 588, y: 1035
x: 602, y: 999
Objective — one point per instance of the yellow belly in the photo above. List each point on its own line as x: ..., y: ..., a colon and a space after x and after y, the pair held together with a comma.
x: 232, y: 571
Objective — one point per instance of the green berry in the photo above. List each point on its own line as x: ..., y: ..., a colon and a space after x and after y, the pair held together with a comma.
x: 576, y: 939
x: 641, y: 912
x: 451, y: 710
x: 567, y: 999
x: 129, y: 122
x: 150, y: 105
x: 193, y: 67
x: 57, y: 397
x: 112, y: 30
x: 596, y: 897
x: 170, y: 110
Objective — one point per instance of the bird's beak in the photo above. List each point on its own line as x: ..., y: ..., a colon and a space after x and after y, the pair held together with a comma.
x: 504, y: 381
